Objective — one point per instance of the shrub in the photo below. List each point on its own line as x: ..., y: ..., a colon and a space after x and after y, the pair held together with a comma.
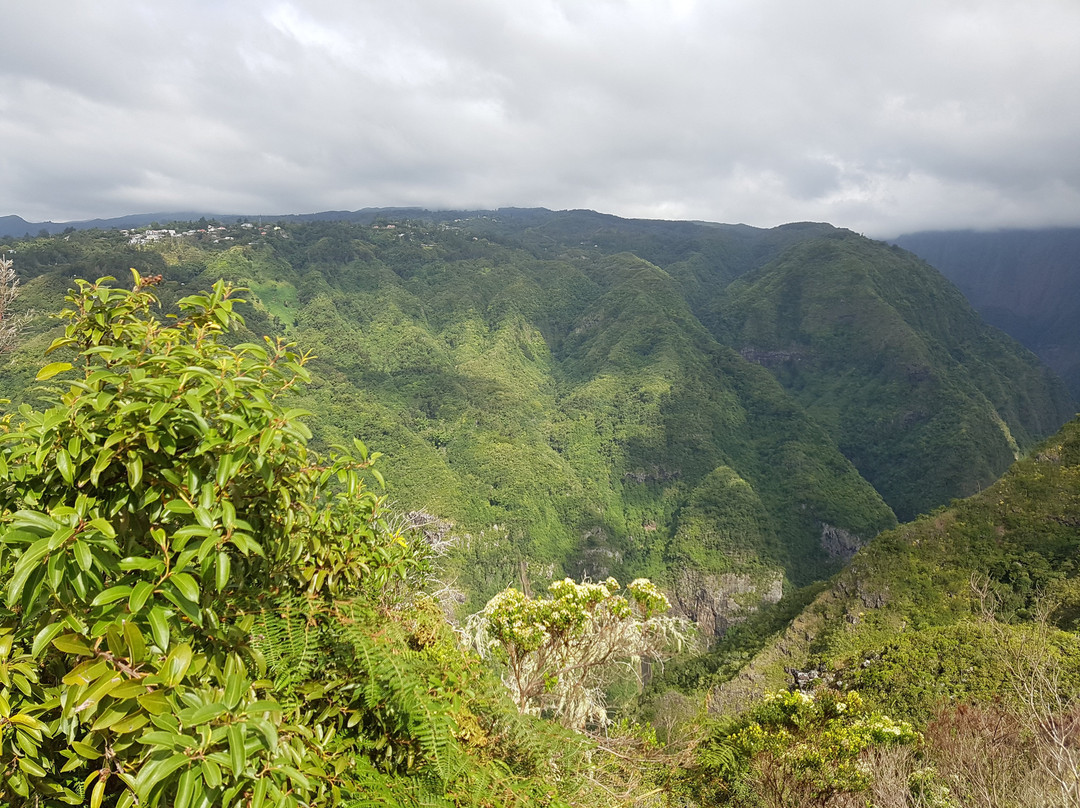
x: 793, y: 748
x: 561, y: 651
x: 192, y: 607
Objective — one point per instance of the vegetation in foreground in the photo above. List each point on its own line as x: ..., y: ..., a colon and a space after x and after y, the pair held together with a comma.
x: 198, y: 610
x: 964, y: 624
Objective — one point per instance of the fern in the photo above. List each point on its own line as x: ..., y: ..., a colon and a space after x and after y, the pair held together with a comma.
x: 285, y: 636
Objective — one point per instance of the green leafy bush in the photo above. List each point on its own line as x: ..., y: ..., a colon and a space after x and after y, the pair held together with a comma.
x: 197, y: 609
x: 792, y: 748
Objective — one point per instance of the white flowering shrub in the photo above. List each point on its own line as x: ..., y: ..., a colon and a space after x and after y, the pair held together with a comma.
x: 560, y: 651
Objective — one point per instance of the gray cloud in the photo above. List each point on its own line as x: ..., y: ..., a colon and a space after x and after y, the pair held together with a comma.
x: 882, y: 117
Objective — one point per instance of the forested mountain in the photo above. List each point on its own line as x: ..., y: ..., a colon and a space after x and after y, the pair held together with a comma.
x: 962, y: 623
x: 1011, y: 550
x: 1025, y: 282
x: 203, y: 602
x: 586, y: 395
x: 917, y: 391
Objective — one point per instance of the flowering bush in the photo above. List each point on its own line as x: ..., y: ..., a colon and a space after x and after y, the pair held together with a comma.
x: 561, y: 650
x: 648, y: 597
x: 795, y: 743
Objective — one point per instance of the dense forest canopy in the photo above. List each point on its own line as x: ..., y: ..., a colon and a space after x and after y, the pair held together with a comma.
x: 204, y: 591
x: 572, y: 391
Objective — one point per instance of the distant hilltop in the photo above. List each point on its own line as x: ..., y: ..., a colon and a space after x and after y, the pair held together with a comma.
x: 16, y: 226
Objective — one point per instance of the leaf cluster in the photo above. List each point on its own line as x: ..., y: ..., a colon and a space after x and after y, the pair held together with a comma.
x: 165, y: 526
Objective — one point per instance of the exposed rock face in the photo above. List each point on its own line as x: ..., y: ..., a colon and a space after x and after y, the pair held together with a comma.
x: 717, y: 601
x: 770, y: 359
x: 595, y: 557
x: 839, y: 543
x: 653, y: 475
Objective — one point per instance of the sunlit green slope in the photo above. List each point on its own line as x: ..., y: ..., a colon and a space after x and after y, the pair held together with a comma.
x: 580, y: 394
x: 921, y: 394
x: 567, y: 415
x: 906, y: 621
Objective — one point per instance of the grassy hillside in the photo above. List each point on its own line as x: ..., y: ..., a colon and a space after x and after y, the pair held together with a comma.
x: 907, y: 620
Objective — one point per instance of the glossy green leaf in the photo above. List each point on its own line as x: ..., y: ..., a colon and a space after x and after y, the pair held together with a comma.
x: 52, y: 369
x: 258, y: 794
x: 186, y: 586
x: 156, y: 702
x: 134, y: 466
x: 211, y: 773
x: 84, y: 750
x: 156, y: 771
x: 200, y: 715
x: 185, y: 788
x: 26, y: 565
x: 64, y: 466
x: 159, y: 627
x: 237, y: 752
x: 96, y: 692
x: 222, y: 570
x: 73, y: 644
x: 140, y: 593
x: 111, y: 595
x: 176, y: 664
x: 98, y: 792
x: 44, y: 637
x: 83, y: 556
x: 135, y: 642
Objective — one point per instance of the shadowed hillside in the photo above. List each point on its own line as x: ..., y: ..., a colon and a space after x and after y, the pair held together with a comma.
x: 1025, y: 282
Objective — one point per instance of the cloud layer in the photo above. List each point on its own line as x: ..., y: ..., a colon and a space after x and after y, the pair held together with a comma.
x: 882, y: 117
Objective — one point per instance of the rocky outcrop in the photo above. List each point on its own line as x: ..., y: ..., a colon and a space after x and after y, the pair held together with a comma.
x: 839, y: 543
x: 715, y: 601
x: 654, y: 475
x: 595, y: 558
x: 770, y: 359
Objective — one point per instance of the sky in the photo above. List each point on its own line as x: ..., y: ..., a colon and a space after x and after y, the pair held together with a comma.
x: 876, y: 115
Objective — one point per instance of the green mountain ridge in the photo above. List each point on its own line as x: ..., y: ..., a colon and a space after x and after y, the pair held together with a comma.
x: 895, y: 364
x: 906, y: 619
x: 1022, y: 281
x: 564, y: 387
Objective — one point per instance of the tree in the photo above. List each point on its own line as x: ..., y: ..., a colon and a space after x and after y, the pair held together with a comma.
x: 561, y: 651
x: 160, y: 510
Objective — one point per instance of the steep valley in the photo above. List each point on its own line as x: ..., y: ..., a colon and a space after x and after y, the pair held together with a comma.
x: 728, y: 410
x: 844, y: 483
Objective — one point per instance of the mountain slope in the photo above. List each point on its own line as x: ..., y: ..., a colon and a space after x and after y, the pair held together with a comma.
x: 909, y: 595
x: 1025, y: 282
x: 557, y: 384
x: 928, y: 402
x: 922, y: 395
x: 568, y: 416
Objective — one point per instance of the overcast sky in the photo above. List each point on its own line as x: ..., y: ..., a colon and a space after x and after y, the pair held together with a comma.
x: 876, y: 115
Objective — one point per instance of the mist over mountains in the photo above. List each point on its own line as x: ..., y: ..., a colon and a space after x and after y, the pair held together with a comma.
x: 1025, y: 282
